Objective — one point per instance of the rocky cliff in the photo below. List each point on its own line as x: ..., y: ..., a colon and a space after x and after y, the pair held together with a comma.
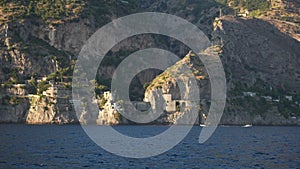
x: 260, y: 59
x: 40, y: 42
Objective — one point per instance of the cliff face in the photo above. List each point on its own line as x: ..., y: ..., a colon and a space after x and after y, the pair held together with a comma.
x: 53, y: 106
x: 258, y: 47
x: 39, y: 46
x: 175, y: 86
x: 260, y: 60
x: 25, y: 61
x: 260, y: 57
x: 14, y: 106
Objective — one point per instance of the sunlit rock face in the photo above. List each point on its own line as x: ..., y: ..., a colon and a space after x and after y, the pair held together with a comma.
x: 53, y: 106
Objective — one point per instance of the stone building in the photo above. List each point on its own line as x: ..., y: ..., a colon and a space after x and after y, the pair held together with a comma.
x: 170, y: 104
x: 175, y: 105
x: 107, y: 95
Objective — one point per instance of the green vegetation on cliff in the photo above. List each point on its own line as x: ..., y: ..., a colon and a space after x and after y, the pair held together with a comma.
x: 255, y: 7
x: 39, y: 59
x: 59, y: 11
x: 54, y: 11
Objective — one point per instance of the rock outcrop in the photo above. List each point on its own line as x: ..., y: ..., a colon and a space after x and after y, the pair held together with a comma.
x: 53, y: 106
x: 257, y: 59
x: 109, y: 114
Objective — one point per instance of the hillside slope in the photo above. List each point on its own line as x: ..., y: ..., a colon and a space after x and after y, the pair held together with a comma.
x: 40, y: 41
x: 261, y: 64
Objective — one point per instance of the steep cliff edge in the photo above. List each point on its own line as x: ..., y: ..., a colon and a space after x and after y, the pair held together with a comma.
x: 175, y: 86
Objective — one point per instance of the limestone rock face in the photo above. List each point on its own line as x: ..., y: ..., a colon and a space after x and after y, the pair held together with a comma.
x: 178, y: 84
x: 69, y: 36
x: 54, y: 106
x: 109, y: 114
x: 108, y: 117
x: 14, y: 113
x: 254, y: 49
x: 39, y: 111
x: 14, y: 104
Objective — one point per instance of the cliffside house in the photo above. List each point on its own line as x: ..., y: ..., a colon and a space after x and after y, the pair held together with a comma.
x: 289, y: 98
x: 267, y: 98
x: 175, y: 105
x: 170, y: 105
x: 251, y: 94
x: 244, y: 13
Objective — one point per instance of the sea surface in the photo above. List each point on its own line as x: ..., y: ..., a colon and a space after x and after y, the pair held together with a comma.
x: 68, y: 146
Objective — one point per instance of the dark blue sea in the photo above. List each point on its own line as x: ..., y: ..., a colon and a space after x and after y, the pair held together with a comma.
x: 67, y: 146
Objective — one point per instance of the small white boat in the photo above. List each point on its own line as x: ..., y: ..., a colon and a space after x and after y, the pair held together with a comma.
x: 202, y: 125
x: 247, y: 125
